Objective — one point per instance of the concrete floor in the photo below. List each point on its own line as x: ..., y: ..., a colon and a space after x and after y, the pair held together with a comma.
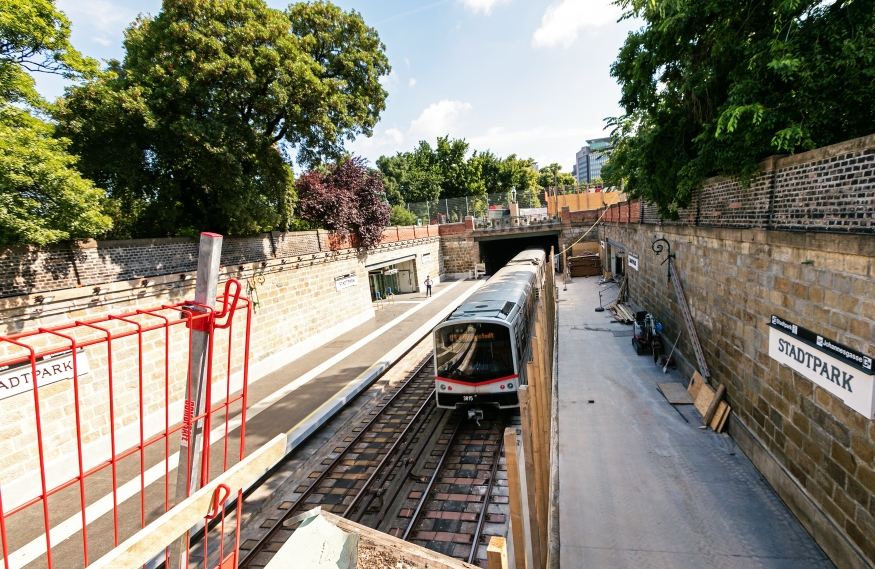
x: 640, y: 486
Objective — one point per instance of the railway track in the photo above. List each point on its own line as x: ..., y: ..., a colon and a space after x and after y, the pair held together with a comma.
x: 452, y: 505
x: 408, y: 468
x: 355, y: 481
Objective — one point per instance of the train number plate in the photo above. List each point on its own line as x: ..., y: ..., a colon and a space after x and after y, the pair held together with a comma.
x: 469, y: 397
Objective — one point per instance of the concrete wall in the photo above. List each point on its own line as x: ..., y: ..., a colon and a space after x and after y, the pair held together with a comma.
x: 817, y: 452
x: 299, y: 309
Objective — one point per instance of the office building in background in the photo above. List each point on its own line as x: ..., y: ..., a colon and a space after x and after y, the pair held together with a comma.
x: 590, y: 159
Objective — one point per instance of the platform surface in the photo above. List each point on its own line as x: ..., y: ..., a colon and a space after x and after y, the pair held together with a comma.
x: 272, y: 410
x: 639, y: 485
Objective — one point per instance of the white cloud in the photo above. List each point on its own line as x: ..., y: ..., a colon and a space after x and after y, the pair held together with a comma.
x: 390, y: 80
x: 438, y: 119
x: 484, y: 6
x: 407, y: 61
x: 102, y: 15
x: 562, y: 21
x: 412, y: 82
x: 101, y: 41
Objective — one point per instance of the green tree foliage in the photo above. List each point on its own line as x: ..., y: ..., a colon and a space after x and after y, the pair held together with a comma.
x: 196, y: 128
x: 400, y: 216
x: 43, y: 198
x: 446, y: 171
x: 548, y: 176
x: 712, y: 87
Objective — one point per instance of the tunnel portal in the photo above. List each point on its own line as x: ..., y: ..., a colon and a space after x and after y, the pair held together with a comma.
x: 497, y: 251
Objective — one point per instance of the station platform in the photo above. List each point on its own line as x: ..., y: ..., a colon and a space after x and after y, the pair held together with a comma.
x: 640, y: 485
x: 295, y: 399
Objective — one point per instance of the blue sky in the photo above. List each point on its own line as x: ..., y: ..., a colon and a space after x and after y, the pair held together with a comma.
x: 529, y: 77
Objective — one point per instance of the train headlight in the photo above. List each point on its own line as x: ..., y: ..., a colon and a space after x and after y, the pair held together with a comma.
x: 509, y: 386
x: 443, y: 387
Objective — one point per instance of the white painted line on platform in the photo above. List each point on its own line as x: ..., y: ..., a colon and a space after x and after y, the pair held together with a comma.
x: 37, y: 547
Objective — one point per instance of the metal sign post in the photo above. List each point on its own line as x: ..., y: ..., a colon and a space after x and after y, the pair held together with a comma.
x: 188, y: 472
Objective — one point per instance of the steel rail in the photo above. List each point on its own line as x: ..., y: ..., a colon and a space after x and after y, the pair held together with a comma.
x: 437, y: 470
x: 379, y: 468
x: 264, y: 540
x: 402, y: 476
x: 480, y: 521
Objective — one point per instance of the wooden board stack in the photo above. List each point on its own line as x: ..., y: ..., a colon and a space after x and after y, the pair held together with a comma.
x: 585, y: 265
x: 708, y: 401
x: 621, y: 310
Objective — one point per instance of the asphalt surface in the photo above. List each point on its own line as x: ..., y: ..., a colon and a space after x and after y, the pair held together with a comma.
x: 639, y: 485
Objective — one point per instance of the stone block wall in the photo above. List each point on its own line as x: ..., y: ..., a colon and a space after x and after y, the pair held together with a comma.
x: 298, y: 309
x: 821, y: 452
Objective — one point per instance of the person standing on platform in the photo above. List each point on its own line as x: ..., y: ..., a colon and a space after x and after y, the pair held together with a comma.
x: 428, y: 283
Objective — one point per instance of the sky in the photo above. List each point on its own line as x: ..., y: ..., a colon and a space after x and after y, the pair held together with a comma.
x: 528, y: 77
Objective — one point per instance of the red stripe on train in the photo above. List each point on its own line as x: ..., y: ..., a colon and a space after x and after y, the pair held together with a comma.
x: 456, y: 381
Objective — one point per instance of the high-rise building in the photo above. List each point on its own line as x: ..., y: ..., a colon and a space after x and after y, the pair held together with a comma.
x: 590, y: 158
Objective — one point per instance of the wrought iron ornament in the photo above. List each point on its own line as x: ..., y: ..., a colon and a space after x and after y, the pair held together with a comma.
x: 659, y: 248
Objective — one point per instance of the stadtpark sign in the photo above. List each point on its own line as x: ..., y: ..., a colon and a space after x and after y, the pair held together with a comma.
x: 19, y: 378
x: 843, y: 371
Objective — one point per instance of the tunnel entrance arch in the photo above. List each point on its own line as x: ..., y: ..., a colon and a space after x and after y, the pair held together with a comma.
x: 496, y: 251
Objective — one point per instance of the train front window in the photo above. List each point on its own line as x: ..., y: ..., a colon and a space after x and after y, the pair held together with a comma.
x: 474, y: 352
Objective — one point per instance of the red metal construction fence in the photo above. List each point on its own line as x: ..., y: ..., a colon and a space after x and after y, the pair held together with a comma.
x: 86, y: 458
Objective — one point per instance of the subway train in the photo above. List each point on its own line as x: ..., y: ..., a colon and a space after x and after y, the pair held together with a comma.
x: 481, y: 349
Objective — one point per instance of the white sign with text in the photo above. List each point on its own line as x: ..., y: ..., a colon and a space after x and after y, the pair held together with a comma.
x: 847, y: 383
x: 346, y: 281
x: 633, y: 261
x: 19, y: 379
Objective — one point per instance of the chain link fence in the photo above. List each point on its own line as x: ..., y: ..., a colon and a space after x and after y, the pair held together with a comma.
x: 532, y: 205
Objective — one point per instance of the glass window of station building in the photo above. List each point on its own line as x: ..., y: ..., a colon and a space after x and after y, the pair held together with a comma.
x: 398, y: 277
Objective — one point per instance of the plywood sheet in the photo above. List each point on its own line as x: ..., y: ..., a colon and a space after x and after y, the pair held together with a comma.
x: 675, y: 393
x: 695, y: 384
x: 703, y: 399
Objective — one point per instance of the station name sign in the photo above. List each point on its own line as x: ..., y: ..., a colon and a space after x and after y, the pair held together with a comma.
x: 633, y: 261
x: 345, y: 281
x: 19, y: 378
x: 844, y: 372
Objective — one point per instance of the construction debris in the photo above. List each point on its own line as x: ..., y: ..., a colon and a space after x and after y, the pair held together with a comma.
x: 714, y: 411
x: 619, y: 307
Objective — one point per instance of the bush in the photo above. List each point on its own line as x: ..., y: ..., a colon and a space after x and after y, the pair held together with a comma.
x: 401, y: 216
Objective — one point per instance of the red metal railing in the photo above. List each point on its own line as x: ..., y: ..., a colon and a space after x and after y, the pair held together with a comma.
x: 128, y: 416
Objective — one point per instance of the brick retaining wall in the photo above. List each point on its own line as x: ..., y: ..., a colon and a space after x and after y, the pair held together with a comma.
x: 827, y: 189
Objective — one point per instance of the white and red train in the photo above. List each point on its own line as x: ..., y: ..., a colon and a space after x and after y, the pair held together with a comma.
x: 481, y: 349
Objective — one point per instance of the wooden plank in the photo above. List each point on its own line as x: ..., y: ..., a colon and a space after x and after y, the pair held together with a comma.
x: 418, y: 555
x: 723, y: 420
x: 515, y: 495
x: 534, y: 409
x: 712, y: 407
x: 146, y: 543
x: 703, y: 399
x: 528, y: 461
x: 542, y: 430
x: 696, y: 383
x: 496, y: 553
x: 718, y: 415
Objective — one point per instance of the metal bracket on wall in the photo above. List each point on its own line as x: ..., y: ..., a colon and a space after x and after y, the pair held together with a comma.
x: 682, y: 301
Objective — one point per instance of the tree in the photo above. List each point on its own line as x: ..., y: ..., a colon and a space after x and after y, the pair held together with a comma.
x: 345, y: 198
x: 400, y: 216
x: 548, y: 175
x: 713, y: 87
x: 43, y: 198
x: 196, y: 128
